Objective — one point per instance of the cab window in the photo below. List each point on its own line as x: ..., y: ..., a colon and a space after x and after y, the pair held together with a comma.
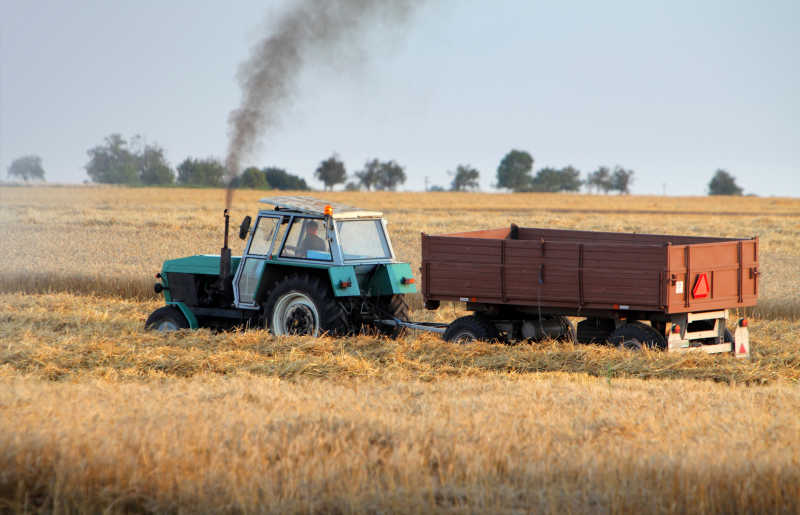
x: 262, y: 237
x: 307, y: 240
x: 363, y: 239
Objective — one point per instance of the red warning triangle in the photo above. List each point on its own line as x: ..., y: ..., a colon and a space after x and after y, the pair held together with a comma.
x: 742, y: 349
x: 700, y: 289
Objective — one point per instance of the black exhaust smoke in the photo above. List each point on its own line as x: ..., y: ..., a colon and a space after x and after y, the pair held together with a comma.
x: 310, y: 29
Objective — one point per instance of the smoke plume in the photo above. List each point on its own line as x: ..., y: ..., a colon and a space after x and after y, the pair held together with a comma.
x: 309, y: 29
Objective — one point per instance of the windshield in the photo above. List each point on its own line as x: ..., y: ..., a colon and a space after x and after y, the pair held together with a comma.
x: 363, y: 239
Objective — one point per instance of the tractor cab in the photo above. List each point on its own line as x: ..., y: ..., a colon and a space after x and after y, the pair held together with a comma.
x: 309, y: 233
x: 307, y: 266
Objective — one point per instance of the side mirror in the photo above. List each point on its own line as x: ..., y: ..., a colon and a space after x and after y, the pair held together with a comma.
x: 245, y: 227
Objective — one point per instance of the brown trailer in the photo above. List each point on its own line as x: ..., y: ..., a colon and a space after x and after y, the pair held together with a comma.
x: 524, y: 282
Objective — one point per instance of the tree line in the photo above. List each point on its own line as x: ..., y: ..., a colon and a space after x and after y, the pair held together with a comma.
x: 516, y: 167
x: 118, y: 161
x: 134, y: 163
x: 515, y: 173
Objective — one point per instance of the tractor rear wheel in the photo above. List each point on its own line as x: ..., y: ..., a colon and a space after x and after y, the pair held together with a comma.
x: 396, y: 306
x: 302, y: 305
x: 636, y: 335
x: 469, y: 329
x: 167, y: 318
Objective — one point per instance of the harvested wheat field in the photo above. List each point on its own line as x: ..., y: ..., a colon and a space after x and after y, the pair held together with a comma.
x: 98, y: 415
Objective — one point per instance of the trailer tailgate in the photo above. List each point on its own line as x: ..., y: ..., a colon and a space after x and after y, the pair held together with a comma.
x: 708, y: 276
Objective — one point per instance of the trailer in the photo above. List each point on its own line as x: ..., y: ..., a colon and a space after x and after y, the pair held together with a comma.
x: 636, y: 290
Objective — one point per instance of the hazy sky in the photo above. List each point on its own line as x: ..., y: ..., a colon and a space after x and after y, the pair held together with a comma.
x: 671, y: 89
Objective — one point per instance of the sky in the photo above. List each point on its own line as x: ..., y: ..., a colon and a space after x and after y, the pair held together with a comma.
x: 673, y: 90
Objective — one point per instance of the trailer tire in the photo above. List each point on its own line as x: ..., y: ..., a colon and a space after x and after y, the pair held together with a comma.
x: 471, y: 328
x: 302, y: 305
x: 636, y: 335
x: 166, y: 319
x: 568, y: 334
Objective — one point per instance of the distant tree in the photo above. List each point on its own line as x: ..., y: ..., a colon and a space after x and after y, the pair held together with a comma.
x: 464, y: 178
x: 352, y: 186
x: 599, y: 180
x: 390, y: 176
x: 368, y: 177
x: 251, y: 178
x: 621, y: 180
x: 514, y: 171
x: 113, y: 162
x: 153, y: 168
x: 723, y: 183
x: 27, y: 168
x: 436, y: 188
x: 331, y: 172
x: 280, y: 179
x: 201, y: 172
x: 117, y: 161
x: 553, y: 180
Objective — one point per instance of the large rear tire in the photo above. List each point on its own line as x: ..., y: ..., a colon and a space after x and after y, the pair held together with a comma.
x: 302, y: 305
x: 166, y: 319
x: 471, y: 328
x: 636, y: 335
x: 396, y: 306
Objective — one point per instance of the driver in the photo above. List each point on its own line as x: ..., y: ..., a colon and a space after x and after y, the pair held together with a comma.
x: 311, y: 240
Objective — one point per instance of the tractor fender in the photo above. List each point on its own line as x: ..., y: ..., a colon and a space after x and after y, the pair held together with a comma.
x: 344, y: 282
x: 392, y: 279
x: 187, y: 313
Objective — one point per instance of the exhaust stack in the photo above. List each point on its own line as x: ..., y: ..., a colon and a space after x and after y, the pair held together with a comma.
x: 225, y: 260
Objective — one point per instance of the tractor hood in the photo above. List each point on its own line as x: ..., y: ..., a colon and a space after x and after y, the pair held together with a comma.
x: 204, y: 264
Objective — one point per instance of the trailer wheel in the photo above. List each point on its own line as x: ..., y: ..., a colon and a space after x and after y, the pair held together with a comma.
x: 469, y: 329
x: 300, y: 304
x: 165, y: 319
x: 728, y: 338
x: 635, y: 335
x: 568, y: 333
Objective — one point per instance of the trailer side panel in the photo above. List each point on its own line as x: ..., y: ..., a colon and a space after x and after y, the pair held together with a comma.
x: 582, y: 270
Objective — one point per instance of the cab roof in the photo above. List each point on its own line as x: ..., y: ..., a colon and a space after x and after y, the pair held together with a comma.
x: 314, y: 206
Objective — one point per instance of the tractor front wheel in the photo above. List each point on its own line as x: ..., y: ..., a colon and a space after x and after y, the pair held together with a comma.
x: 168, y: 318
x: 301, y: 305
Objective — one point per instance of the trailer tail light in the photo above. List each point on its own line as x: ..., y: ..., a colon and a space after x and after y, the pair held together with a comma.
x: 742, y: 322
x: 345, y: 284
x: 676, y: 329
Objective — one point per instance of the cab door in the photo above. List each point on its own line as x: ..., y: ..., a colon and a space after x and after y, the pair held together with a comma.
x: 254, y: 260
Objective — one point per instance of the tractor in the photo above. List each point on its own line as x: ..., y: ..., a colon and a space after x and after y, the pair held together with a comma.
x: 308, y: 268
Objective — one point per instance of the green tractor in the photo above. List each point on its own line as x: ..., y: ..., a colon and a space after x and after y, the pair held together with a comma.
x: 309, y: 267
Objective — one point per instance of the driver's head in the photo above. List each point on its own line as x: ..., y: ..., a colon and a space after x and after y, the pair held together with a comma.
x: 312, y: 227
